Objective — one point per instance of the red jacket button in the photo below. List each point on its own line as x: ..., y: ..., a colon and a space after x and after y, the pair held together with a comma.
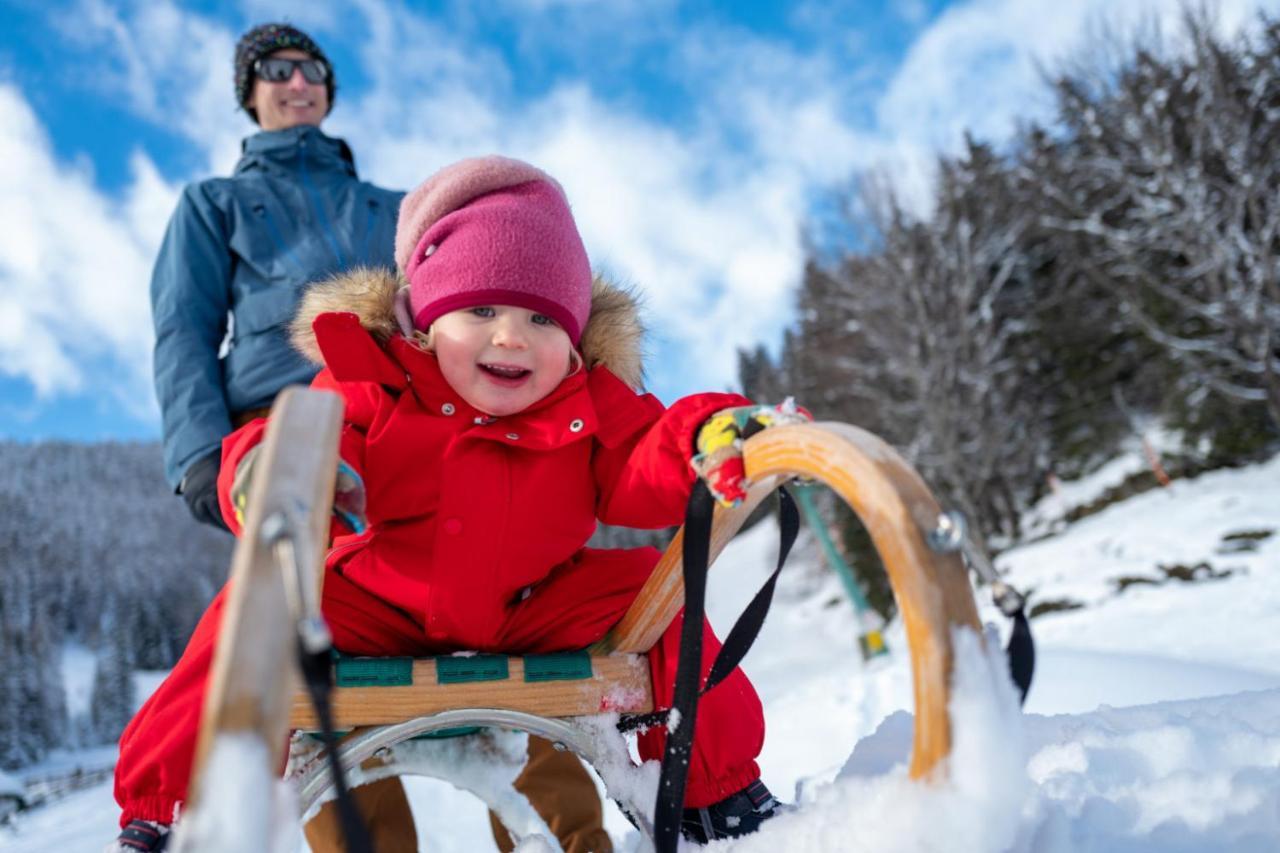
x: 453, y: 527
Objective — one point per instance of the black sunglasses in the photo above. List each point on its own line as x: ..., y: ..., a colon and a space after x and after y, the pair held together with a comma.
x: 280, y: 70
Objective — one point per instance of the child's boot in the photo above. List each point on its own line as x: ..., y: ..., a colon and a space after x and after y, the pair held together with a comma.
x: 140, y: 835
x: 735, y: 815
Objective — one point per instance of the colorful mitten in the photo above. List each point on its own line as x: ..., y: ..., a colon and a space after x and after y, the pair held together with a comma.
x: 349, y: 498
x: 240, y: 484
x: 348, y: 492
x: 718, y: 459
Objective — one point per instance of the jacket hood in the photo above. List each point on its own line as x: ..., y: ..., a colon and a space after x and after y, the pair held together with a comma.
x: 613, y: 337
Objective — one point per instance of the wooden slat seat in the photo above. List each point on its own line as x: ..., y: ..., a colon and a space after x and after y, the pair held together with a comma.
x: 392, y: 690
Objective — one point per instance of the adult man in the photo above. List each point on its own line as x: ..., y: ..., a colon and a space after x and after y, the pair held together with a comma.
x: 237, y: 255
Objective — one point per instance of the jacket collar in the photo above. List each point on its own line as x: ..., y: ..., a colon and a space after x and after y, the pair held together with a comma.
x: 274, y: 150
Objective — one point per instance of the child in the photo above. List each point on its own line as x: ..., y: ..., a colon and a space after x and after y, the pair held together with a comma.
x: 491, y: 421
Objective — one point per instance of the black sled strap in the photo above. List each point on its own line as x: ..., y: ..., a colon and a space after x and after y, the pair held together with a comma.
x: 317, y: 674
x: 1021, y: 654
x: 684, y: 703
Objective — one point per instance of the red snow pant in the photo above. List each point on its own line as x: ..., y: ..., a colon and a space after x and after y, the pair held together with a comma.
x: 577, y: 603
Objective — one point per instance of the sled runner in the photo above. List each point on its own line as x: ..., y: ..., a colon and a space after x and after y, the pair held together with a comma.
x: 384, y: 702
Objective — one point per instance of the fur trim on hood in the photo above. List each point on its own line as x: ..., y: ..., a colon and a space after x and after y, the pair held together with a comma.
x: 613, y: 337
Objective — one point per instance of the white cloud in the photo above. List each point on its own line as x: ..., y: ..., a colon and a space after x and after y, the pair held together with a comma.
x: 307, y: 15
x: 165, y: 65
x: 913, y: 12
x: 705, y: 217
x: 74, y: 267
x: 979, y: 67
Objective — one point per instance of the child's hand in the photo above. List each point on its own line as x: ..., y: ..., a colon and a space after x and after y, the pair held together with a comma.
x: 348, y: 492
x: 240, y: 484
x: 349, y: 498
x: 718, y: 459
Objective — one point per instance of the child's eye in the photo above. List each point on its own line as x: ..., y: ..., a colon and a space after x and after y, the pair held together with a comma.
x: 543, y: 320
x: 482, y: 311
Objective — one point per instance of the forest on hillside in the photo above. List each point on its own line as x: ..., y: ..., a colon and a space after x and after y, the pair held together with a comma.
x: 94, y: 550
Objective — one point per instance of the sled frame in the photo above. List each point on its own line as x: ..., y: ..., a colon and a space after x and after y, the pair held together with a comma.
x: 932, y: 589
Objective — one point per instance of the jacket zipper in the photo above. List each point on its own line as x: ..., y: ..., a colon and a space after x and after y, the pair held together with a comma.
x: 368, y: 231
x: 318, y: 209
x: 332, y: 556
x: 278, y: 239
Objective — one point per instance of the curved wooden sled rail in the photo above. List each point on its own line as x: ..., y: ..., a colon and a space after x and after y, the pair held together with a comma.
x: 932, y: 589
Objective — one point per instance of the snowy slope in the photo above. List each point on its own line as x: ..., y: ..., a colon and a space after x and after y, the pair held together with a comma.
x: 1154, y: 722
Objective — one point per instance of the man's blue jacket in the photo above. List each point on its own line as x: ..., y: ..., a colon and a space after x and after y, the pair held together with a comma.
x: 244, y: 248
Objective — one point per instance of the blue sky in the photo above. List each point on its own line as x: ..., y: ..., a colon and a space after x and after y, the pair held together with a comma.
x: 694, y: 139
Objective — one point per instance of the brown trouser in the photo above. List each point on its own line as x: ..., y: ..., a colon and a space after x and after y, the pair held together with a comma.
x: 555, y: 783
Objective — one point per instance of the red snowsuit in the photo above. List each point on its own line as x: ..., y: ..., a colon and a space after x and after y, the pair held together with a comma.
x: 475, y: 541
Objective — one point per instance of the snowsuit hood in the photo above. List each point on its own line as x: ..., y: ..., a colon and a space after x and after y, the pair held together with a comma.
x: 612, y: 338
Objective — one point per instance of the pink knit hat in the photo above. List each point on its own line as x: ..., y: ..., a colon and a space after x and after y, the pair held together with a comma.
x: 493, y: 231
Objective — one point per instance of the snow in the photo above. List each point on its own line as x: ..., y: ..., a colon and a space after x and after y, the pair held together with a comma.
x: 1153, y: 724
x: 79, y: 665
x: 484, y: 765
x: 1230, y: 621
x: 239, y: 799
x: 1065, y: 496
x: 9, y: 786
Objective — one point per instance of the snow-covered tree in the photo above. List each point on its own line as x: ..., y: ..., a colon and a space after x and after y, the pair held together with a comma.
x: 95, y: 549
x: 1169, y: 177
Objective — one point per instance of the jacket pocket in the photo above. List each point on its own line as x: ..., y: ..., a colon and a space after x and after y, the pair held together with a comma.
x: 265, y: 309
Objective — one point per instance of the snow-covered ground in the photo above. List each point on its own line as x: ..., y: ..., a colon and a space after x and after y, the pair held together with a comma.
x: 1153, y: 724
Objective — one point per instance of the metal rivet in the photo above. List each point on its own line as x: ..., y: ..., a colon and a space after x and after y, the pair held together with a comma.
x: 448, y: 408
x: 513, y: 437
x: 576, y: 425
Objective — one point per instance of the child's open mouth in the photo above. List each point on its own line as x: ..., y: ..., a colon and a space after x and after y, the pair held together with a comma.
x: 506, y: 374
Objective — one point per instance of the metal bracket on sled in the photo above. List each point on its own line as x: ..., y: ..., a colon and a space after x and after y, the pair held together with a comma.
x: 279, y: 532
x: 951, y: 534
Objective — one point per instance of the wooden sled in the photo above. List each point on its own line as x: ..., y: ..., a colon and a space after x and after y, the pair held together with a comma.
x: 389, y: 701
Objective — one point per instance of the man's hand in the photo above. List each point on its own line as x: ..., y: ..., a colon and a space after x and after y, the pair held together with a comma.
x: 200, y: 490
x: 718, y: 446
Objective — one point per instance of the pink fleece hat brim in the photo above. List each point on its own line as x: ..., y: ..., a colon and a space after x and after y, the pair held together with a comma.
x: 453, y: 187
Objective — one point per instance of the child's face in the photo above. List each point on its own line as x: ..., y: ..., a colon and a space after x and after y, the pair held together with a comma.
x: 499, y: 358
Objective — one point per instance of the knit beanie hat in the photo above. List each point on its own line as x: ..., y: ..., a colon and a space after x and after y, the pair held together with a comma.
x: 493, y: 231
x: 264, y: 40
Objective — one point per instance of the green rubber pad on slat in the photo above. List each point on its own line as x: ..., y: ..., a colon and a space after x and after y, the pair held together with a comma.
x: 374, y: 672
x: 563, y: 666
x: 457, y: 670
